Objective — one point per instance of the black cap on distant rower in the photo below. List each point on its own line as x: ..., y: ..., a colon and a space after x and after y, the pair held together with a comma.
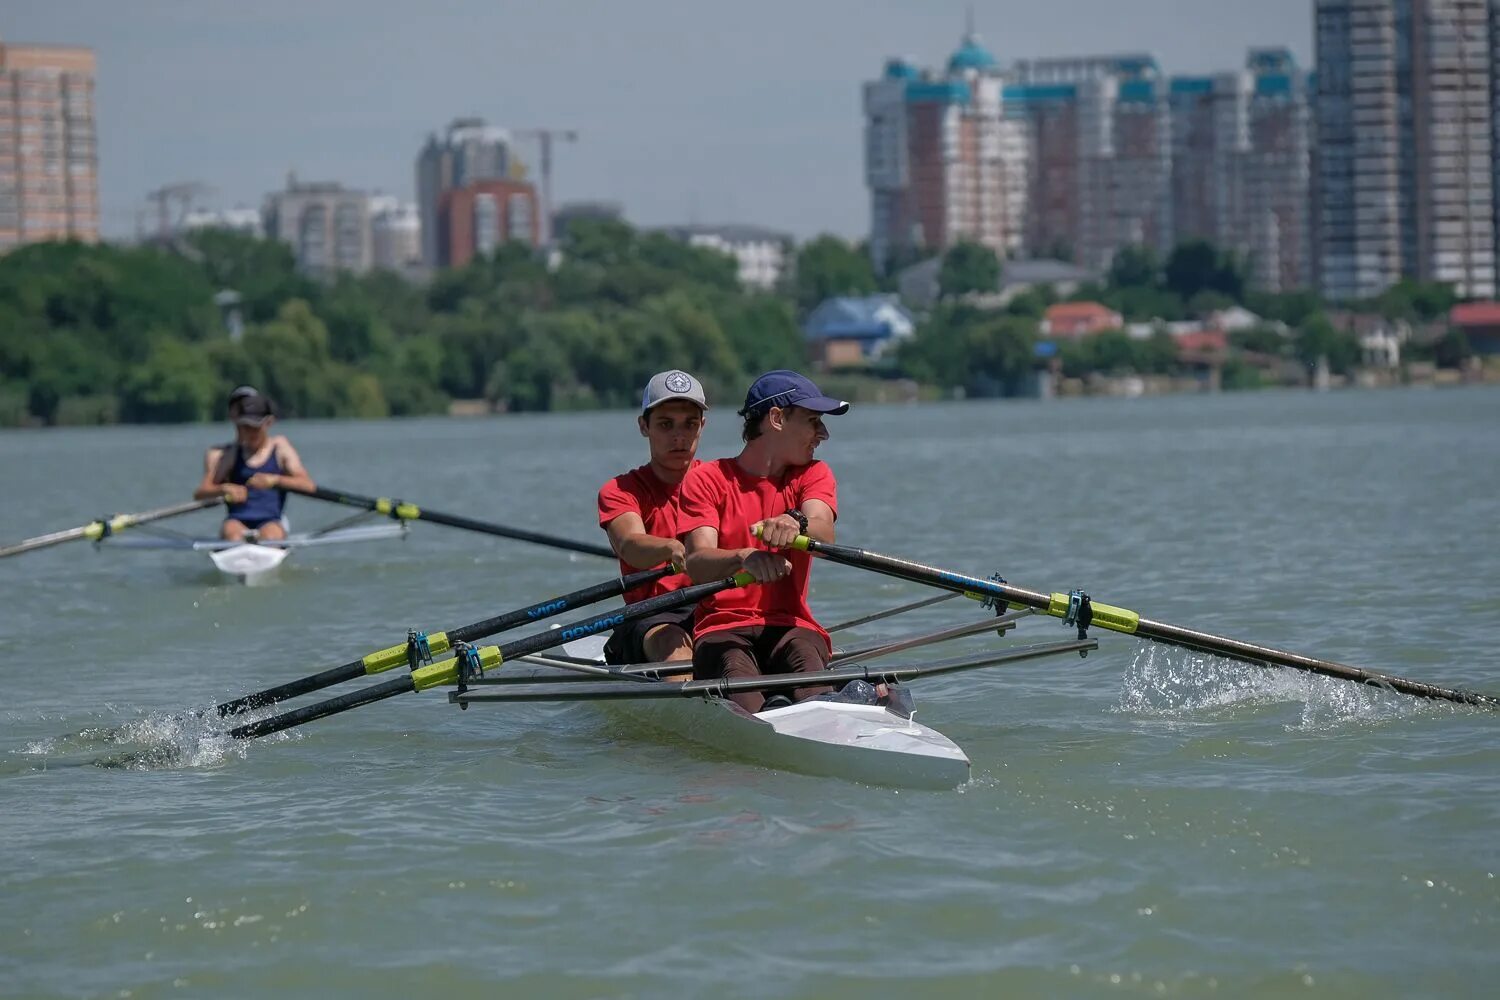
x: 788, y: 388
x: 669, y: 385
x: 254, y: 410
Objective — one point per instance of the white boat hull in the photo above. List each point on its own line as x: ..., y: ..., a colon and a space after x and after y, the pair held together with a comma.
x: 864, y: 743
x: 250, y: 564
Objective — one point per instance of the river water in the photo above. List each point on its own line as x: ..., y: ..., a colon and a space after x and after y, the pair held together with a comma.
x: 1140, y: 822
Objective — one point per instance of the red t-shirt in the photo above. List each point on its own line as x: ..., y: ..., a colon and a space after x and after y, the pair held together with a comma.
x: 724, y: 496
x: 639, y: 491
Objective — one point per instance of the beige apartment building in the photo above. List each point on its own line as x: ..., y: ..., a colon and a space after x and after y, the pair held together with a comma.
x: 49, y: 164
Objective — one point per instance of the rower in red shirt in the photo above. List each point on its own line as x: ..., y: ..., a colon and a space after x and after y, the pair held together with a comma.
x: 638, y: 511
x: 774, y: 484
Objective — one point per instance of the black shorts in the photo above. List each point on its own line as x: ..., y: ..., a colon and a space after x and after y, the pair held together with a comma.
x: 626, y: 643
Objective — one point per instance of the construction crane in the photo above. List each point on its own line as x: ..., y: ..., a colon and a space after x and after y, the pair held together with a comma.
x: 544, y: 137
x: 184, y: 194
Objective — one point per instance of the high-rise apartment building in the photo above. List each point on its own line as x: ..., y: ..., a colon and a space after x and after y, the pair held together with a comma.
x: 395, y: 235
x: 326, y: 225
x: 1240, y: 166
x: 942, y: 163
x: 49, y: 187
x: 470, y: 150
x: 478, y: 217
x: 1100, y: 166
x: 1405, y: 177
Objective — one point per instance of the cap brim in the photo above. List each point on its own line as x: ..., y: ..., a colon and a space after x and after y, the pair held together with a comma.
x: 252, y: 421
x: 824, y: 404
x: 671, y: 399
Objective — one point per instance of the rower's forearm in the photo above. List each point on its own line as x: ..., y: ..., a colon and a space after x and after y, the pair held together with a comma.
x: 300, y: 483
x: 646, y: 551
x: 820, y: 529
x: 708, y: 565
x: 209, y: 492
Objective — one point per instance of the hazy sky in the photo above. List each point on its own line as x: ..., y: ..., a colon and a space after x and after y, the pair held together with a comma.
x: 688, y: 111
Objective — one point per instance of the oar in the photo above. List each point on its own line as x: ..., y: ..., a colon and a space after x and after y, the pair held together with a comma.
x: 106, y: 526
x: 546, y: 689
x: 403, y: 511
x: 1076, y: 608
x: 434, y: 643
x: 926, y: 602
x: 448, y: 671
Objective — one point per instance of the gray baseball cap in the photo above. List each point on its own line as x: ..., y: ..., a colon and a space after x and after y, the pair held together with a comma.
x: 669, y: 385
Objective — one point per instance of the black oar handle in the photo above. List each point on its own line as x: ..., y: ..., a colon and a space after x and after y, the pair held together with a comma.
x: 464, y: 633
x: 410, y: 511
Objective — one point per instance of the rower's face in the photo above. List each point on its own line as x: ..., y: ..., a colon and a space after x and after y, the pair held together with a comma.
x: 673, y: 430
x: 252, y: 438
x: 803, y: 431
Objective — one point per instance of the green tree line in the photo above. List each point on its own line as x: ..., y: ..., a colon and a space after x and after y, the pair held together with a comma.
x: 102, y: 333
x: 99, y: 333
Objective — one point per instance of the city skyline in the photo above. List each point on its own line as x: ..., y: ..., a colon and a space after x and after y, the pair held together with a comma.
x: 687, y: 114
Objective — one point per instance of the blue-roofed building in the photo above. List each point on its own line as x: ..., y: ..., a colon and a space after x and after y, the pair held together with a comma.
x: 971, y: 56
x: 846, y: 331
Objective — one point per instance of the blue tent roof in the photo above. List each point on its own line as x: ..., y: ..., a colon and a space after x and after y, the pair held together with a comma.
x: 971, y: 55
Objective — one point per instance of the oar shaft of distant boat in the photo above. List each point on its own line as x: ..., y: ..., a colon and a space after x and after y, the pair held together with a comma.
x: 402, y: 510
x: 1129, y: 622
x: 546, y: 689
x: 106, y: 526
x: 447, y: 671
x: 440, y: 642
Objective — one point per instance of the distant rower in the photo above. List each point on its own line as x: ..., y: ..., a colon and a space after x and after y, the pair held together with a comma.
x: 252, y: 474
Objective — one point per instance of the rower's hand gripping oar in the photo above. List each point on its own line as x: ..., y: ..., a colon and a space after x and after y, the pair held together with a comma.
x: 101, y: 529
x: 487, y: 658
x: 424, y: 646
x: 403, y: 511
x: 1077, y: 609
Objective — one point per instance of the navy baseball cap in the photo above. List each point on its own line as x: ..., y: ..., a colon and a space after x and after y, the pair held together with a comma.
x: 787, y: 388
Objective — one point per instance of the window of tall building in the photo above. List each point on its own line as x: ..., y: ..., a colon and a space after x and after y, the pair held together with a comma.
x: 518, y: 215
x: 486, y: 223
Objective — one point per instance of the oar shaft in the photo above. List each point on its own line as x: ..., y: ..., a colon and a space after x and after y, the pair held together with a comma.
x: 387, y: 658
x: 409, y: 511
x: 323, y: 709
x: 95, y: 530
x: 1122, y: 620
x: 546, y: 689
x: 446, y: 672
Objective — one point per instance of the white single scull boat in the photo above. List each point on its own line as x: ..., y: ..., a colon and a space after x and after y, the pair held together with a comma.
x: 254, y: 561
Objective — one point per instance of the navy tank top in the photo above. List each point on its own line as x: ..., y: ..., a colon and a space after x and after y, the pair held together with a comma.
x: 260, y: 506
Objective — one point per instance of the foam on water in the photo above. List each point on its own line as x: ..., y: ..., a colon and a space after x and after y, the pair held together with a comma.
x: 157, y: 740
x: 1178, y: 684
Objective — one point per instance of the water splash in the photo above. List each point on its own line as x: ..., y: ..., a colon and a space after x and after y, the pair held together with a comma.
x: 1178, y: 684
x: 155, y: 741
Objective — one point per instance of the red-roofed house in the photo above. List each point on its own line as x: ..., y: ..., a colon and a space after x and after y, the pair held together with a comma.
x: 1202, y: 344
x: 1480, y: 323
x: 1075, y: 320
